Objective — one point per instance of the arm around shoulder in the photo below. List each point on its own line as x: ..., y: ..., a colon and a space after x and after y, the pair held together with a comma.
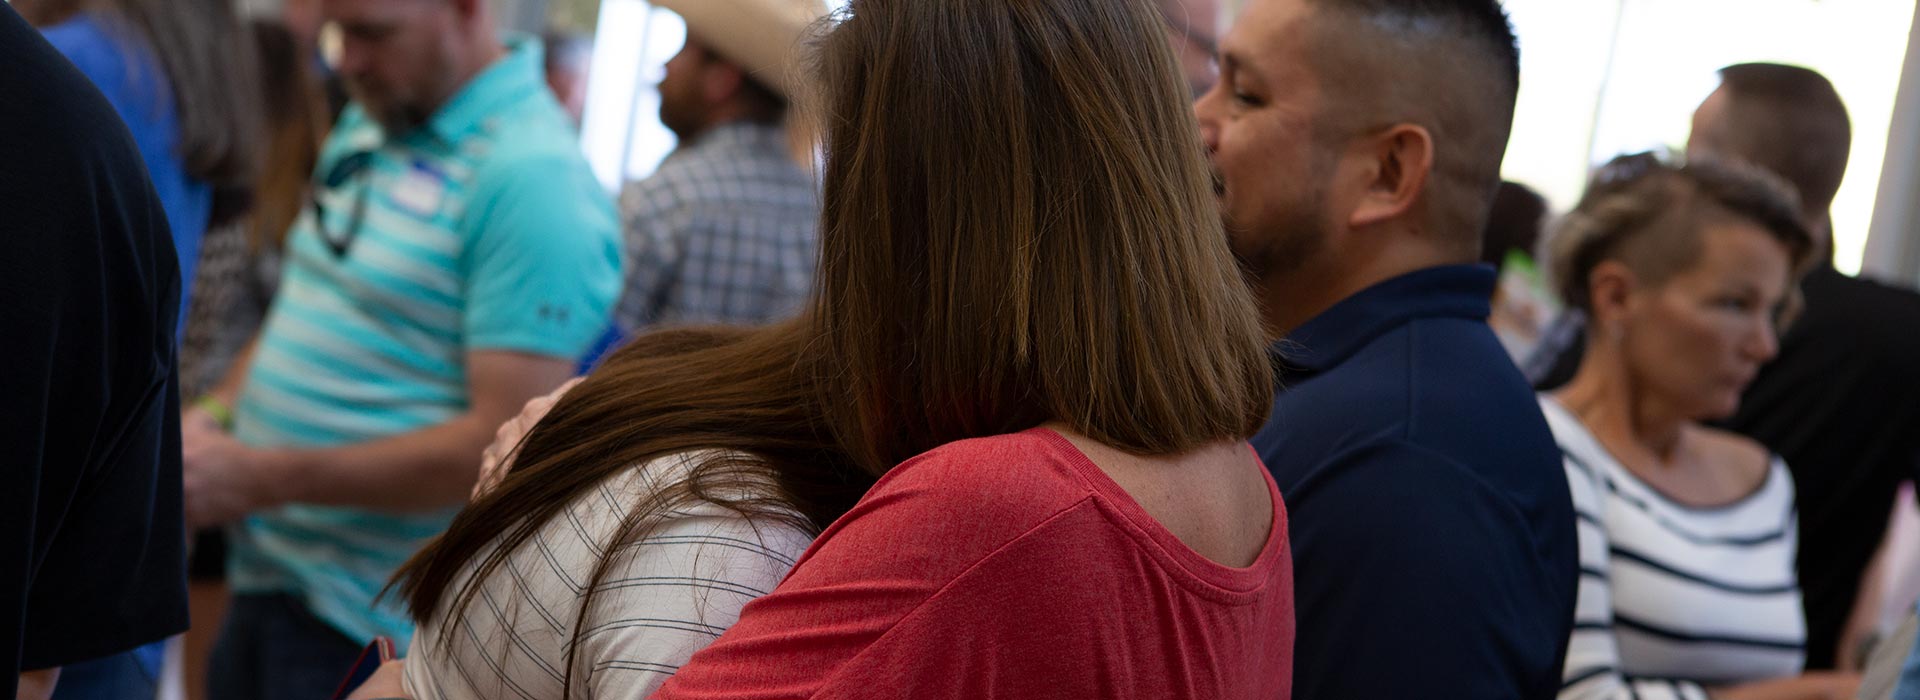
x: 916, y: 531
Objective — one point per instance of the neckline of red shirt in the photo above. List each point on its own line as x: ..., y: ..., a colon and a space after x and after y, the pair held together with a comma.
x: 1227, y: 583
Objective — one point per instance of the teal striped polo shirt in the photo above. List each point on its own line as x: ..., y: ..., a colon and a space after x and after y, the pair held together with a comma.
x: 482, y: 230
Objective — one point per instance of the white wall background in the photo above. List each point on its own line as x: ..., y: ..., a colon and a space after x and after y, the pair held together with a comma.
x: 622, y: 133
x: 1599, y: 78
x: 1604, y: 77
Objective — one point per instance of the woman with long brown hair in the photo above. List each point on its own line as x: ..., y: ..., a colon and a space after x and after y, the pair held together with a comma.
x: 1026, y: 297
x: 240, y: 262
x: 1025, y: 284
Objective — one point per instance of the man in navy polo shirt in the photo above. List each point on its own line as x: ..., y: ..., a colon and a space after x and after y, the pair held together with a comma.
x: 1358, y: 145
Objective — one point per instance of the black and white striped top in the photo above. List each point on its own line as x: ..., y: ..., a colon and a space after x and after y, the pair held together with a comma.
x: 665, y: 597
x: 1674, y: 599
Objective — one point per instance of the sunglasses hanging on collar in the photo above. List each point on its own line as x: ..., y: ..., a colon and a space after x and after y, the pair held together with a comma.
x: 351, y: 168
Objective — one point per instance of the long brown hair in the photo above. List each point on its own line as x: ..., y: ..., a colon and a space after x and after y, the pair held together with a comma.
x: 296, y: 124
x: 209, y: 64
x: 1018, y: 227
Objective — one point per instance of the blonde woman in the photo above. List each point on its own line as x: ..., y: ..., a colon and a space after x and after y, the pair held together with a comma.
x: 1687, y: 533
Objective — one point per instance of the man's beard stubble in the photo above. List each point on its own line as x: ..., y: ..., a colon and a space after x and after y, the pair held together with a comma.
x: 676, y: 116
x: 1295, y: 238
x: 396, y: 119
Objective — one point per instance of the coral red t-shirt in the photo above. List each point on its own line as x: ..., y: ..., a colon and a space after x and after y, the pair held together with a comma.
x: 1007, y: 567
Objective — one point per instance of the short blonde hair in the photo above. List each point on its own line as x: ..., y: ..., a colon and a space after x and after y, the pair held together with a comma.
x: 1645, y: 212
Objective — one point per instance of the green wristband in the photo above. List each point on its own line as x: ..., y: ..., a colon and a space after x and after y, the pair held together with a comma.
x: 216, y: 408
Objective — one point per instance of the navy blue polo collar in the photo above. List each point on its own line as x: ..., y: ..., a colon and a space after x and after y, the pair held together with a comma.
x: 1453, y: 291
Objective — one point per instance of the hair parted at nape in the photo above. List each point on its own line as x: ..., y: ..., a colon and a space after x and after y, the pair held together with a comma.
x: 1018, y: 227
x: 1650, y: 200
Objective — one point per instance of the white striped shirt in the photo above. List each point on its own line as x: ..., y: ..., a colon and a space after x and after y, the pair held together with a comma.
x: 665, y: 597
x: 1673, y: 598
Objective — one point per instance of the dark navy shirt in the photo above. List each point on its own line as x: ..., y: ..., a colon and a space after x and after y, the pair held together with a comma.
x: 92, y: 540
x: 1433, y: 537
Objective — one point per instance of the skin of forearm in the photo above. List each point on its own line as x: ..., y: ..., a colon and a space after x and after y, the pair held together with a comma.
x: 424, y: 470
x: 37, y: 685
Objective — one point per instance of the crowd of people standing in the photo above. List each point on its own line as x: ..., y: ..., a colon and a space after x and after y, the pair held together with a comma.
x: 1089, y: 353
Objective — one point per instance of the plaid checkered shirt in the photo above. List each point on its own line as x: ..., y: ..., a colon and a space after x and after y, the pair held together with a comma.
x: 724, y: 232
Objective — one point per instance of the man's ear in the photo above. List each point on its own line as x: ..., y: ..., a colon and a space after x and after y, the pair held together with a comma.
x: 1610, y: 291
x: 1398, y: 162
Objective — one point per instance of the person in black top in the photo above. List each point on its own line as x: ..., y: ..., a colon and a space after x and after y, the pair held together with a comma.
x: 92, y: 560
x: 1840, y: 402
x: 1358, y: 147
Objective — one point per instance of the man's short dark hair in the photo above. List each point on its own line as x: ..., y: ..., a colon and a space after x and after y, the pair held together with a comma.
x: 1790, y: 121
x: 1484, y: 22
x: 1453, y: 66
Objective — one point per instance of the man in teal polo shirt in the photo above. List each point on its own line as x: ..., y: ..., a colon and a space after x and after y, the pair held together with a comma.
x: 456, y: 260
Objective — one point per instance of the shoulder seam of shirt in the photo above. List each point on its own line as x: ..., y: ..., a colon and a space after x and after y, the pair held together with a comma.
x: 492, y: 171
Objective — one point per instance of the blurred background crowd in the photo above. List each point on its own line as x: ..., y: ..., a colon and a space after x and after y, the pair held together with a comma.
x: 401, y: 237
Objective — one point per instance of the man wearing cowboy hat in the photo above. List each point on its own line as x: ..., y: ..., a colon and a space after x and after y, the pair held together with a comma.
x: 725, y: 230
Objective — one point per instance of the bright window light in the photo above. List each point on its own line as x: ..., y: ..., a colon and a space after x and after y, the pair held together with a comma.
x: 1604, y: 77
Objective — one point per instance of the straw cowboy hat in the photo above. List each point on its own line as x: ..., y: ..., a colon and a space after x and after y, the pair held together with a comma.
x: 760, y: 36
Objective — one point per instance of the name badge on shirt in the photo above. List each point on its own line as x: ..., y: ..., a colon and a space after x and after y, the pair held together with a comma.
x: 420, y: 191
